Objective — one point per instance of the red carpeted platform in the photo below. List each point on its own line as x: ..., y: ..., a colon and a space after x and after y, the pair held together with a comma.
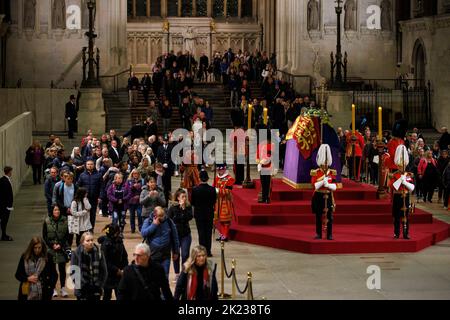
x: 362, y: 223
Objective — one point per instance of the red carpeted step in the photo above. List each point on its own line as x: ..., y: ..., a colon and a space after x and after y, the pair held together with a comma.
x: 362, y: 224
x: 279, y: 219
x: 349, y: 239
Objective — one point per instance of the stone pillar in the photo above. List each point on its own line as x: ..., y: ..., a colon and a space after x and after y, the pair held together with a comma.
x: 164, y: 8
x: 92, y: 113
x: 209, y: 8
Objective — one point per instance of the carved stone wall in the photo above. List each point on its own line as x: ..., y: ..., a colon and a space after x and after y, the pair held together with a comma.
x: 147, y: 41
x: 433, y: 34
x: 47, y: 54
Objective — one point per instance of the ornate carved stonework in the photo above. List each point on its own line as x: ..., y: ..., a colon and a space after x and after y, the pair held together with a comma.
x: 315, y: 35
x: 429, y: 24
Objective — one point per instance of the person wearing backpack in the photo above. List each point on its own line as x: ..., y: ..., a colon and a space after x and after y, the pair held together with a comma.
x: 161, y: 235
x: 116, y: 258
x: 143, y: 280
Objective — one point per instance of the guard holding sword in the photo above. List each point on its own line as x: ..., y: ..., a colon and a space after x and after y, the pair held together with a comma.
x: 322, y: 202
x: 402, y: 186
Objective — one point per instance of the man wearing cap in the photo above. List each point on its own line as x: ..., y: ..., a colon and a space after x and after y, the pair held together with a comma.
x: 203, y: 200
x: 224, y: 208
x: 71, y: 115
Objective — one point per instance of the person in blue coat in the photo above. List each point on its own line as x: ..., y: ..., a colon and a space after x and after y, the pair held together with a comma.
x: 161, y: 235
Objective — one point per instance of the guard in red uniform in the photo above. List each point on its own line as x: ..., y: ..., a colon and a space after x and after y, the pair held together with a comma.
x: 401, y: 184
x: 224, y: 212
x: 265, y: 169
x: 358, y: 142
x: 398, y: 135
x: 322, y: 203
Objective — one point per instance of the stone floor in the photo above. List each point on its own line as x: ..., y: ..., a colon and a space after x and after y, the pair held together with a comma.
x: 277, y: 274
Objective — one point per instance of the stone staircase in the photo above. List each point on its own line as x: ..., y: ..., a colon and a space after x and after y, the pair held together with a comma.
x: 120, y: 117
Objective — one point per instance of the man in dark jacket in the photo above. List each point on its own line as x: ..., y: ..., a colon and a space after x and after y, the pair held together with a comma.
x: 49, y: 186
x: 203, y: 201
x: 164, y: 157
x: 116, y: 257
x: 6, y: 201
x: 71, y: 115
x: 92, y: 180
x: 143, y: 279
x: 444, y: 141
x: 136, y: 131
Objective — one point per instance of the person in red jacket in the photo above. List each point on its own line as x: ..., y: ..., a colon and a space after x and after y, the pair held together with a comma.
x: 401, y: 184
x: 428, y: 172
x: 265, y: 168
x: 224, y: 207
x: 356, y: 140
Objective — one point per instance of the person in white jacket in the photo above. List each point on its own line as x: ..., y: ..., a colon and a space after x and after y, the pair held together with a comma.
x: 79, y: 220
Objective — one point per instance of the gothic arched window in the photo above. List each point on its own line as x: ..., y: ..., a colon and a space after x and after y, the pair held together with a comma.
x: 202, y: 8
x: 155, y: 8
x: 232, y: 8
x: 172, y: 8
x: 218, y: 8
x: 247, y: 8
x: 141, y: 8
x: 186, y: 8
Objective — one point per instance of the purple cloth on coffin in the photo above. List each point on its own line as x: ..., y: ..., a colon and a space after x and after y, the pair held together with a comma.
x: 297, y: 169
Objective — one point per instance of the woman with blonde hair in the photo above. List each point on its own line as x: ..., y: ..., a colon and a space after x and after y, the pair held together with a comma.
x: 198, y: 279
x: 88, y: 269
x: 145, y: 169
x: 36, y: 272
x: 57, y: 144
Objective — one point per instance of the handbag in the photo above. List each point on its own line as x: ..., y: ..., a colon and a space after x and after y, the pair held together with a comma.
x: 25, y: 289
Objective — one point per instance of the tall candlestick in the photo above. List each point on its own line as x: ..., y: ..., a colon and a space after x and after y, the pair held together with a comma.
x: 353, y: 119
x: 265, y: 116
x: 380, y: 123
x: 250, y: 109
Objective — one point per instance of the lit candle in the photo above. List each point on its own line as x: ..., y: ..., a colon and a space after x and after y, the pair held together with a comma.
x: 353, y: 119
x: 265, y: 116
x: 380, y: 123
x: 250, y: 109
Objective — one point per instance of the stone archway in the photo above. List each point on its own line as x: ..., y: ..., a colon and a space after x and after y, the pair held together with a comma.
x: 419, y: 61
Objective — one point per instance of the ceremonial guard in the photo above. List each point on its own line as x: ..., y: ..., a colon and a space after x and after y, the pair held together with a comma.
x: 323, y: 203
x: 224, y: 212
x: 354, y: 151
x: 189, y: 170
x: 402, y: 186
x: 398, y: 135
x: 265, y: 169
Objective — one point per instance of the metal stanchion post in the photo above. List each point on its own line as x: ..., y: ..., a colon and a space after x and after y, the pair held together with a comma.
x: 250, y: 287
x: 222, y: 295
x: 233, y: 279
